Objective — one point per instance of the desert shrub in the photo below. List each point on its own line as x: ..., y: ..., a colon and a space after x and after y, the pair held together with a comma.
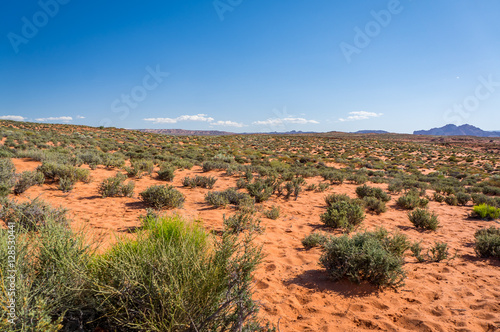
x: 160, y: 197
x: 229, y: 196
x: 334, y: 198
x: 241, y: 183
x: 314, y: 240
x: 344, y: 214
x: 216, y: 198
x: 240, y: 222
x: 478, y: 199
x: 113, y: 160
x: 214, y: 165
x: 357, y: 178
x: 272, y: 213
x: 370, y: 256
x: 54, y: 171
x: 115, y: 186
x: 51, y: 279
x: 260, y: 190
x: 322, y: 187
x: 439, y: 252
x: 485, y: 211
x: 374, y: 205
x: 463, y: 198
x: 7, y: 176
x: 27, y: 179
x: 366, y: 191
x: 411, y: 200
x: 311, y: 187
x: 416, y: 250
x: 166, y: 172
x: 31, y: 215
x: 451, y: 200
x: 438, y: 197
x: 488, y: 242
x: 139, y: 167
x: 66, y: 184
x: 335, y: 177
x: 422, y: 218
x: 199, y: 181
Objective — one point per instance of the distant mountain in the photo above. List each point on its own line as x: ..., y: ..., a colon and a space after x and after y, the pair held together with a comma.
x: 371, y: 132
x: 183, y: 132
x: 453, y: 130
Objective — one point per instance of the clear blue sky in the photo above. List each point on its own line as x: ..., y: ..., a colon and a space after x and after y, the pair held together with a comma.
x: 251, y: 66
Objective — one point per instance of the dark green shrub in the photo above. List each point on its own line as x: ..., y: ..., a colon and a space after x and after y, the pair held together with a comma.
x: 199, y: 181
x: 66, y: 184
x: 335, y: 177
x: 31, y: 215
x: 241, y: 183
x: 315, y: 239
x: 366, y: 256
x: 451, y: 200
x: 159, y: 197
x: 374, y: 205
x: 139, y: 167
x: 166, y: 173
x: 260, y: 190
x: 7, y: 176
x: 410, y: 201
x: 216, y: 198
x: 240, y: 222
x: 366, y: 191
x: 334, y: 198
x: 416, y: 249
x: 438, y: 197
x: 422, y: 218
x: 485, y: 211
x: 439, y: 252
x: 272, y: 213
x: 488, y: 242
x: 463, y: 198
x: 115, y: 187
x: 344, y: 214
x: 27, y: 179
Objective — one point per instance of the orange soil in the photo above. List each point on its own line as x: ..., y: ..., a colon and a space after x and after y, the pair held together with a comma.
x: 293, y: 290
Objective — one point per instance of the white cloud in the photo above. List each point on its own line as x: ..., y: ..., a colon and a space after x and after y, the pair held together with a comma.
x: 361, y: 115
x: 197, y: 117
x: 80, y: 117
x: 12, y: 117
x: 228, y: 124
x: 60, y: 118
x: 278, y: 121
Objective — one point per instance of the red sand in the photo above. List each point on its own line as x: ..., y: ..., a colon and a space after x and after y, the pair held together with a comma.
x: 294, y: 291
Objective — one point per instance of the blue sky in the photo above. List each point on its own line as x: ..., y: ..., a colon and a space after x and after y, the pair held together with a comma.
x: 252, y: 66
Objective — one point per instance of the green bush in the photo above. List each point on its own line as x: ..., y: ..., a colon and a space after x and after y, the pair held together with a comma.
x: 451, y: 200
x: 272, y: 213
x: 166, y: 173
x: 485, y: 211
x: 229, y: 196
x: 115, y: 186
x: 66, y: 184
x: 411, y: 200
x: 463, y: 198
x: 366, y: 191
x: 27, y: 179
x: 438, y: 197
x: 488, y: 242
x: 334, y: 198
x: 260, y: 190
x: 422, y: 218
x: 31, y: 215
x: 216, y: 198
x: 199, y: 181
x: 374, y: 205
x: 240, y: 222
x: 160, y: 197
x: 315, y: 239
x: 7, y: 176
x: 439, y: 252
x: 370, y: 256
x: 343, y: 214
x: 139, y: 167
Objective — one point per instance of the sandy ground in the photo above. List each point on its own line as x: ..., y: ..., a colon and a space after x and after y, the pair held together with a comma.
x: 294, y: 291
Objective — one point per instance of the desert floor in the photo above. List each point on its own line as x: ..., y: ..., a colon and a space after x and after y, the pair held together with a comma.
x: 295, y: 293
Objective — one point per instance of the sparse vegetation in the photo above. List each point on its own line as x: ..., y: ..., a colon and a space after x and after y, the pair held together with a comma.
x: 160, y: 197
x: 346, y: 215
x: 422, y: 218
x: 488, y: 242
x: 115, y: 187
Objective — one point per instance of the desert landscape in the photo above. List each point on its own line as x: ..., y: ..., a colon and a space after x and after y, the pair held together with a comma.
x: 294, y: 195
